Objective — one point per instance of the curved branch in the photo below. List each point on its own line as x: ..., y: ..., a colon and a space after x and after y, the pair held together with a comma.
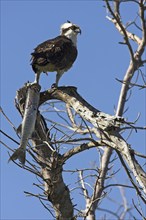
x: 102, y: 122
x: 78, y: 149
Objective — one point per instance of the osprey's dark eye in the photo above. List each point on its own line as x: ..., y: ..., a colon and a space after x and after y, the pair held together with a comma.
x: 76, y: 29
x: 73, y: 28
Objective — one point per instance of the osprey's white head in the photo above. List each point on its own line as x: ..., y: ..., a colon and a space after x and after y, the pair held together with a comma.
x: 71, y: 31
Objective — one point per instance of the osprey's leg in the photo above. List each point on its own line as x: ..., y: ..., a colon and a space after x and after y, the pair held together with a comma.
x: 37, y: 77
x: 58, y: 76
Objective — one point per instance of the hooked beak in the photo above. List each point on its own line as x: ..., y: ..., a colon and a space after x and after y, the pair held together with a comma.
x: 78, y: 30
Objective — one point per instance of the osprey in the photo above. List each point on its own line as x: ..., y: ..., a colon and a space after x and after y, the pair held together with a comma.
x: 57, y: 54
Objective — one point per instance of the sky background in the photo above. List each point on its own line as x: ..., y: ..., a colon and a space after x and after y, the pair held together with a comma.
x: 101, y: 59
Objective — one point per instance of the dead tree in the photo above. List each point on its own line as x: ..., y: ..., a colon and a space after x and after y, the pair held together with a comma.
x: 86, y: 128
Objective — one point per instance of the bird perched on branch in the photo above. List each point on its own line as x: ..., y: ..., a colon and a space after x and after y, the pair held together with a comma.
x: 57, y: 54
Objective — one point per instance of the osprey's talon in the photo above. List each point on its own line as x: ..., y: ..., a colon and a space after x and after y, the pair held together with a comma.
x: 54, y: 85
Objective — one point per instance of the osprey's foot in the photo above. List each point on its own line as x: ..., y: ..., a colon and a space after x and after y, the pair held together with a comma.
x: 54, y: 85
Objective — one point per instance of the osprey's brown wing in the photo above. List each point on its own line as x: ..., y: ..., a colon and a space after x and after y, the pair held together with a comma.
x: 59, y: 52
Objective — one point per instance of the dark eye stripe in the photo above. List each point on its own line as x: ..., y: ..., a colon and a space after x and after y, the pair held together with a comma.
x: 72, y: 27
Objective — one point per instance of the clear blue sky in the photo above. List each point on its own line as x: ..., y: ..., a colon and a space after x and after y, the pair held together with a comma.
x: 25, y: 24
